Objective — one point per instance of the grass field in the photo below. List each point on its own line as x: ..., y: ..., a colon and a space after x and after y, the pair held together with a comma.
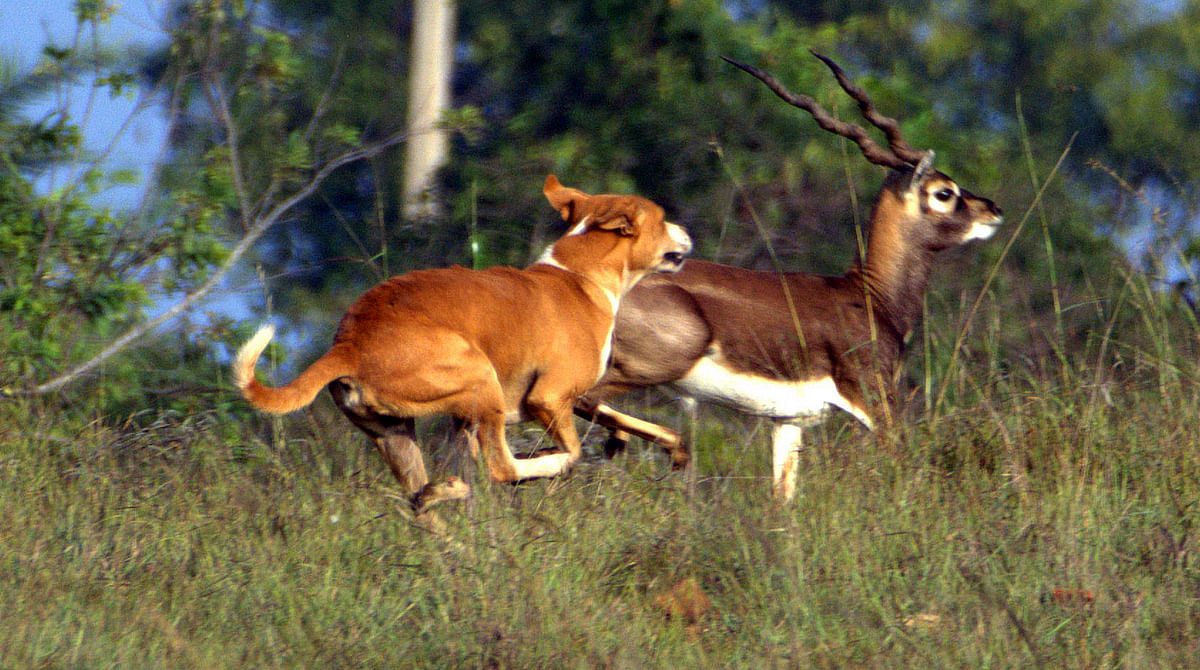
x: 1033, y: 510
x: 1030, y: 523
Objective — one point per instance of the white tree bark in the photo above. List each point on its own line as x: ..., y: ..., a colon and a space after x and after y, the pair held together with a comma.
x: 432, y: 51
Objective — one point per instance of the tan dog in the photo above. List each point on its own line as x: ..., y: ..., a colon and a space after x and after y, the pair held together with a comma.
x: 487, y: 347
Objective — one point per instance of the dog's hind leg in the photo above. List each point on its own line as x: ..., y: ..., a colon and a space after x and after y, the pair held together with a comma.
x: 394, y: 437
x: 396, y: 440
x: 398, y: 447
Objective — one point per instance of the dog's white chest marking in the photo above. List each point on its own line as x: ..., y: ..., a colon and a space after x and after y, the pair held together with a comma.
x: 606, y: 350
x: 778, y: 399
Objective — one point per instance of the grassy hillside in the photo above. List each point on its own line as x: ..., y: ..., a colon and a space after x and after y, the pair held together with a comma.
x: 1038, y: 505
x: 1030, y: 522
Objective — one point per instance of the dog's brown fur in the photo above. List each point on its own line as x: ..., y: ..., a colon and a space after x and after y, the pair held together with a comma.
x: 485, y: 346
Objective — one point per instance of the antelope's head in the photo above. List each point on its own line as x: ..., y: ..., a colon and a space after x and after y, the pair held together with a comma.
x: 934, y: 211
x: 918, y: 202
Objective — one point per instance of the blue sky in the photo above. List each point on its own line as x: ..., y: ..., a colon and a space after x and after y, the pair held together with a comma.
x: 26, y: 26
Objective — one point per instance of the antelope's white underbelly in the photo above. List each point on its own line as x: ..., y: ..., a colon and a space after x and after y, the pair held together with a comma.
x: 779, y: 399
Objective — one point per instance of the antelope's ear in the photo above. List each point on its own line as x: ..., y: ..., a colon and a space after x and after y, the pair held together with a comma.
x: 566, y: 200
x: 920, y: 171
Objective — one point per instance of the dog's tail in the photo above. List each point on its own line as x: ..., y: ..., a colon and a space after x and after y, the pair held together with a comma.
x: 292, y: 396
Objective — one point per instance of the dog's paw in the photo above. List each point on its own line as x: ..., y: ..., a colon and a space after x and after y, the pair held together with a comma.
x: 433, y: 493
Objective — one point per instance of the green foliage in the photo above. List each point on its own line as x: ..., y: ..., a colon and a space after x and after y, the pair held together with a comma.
x: 344, y: 135
x: 94, y: 11
x: 618, y: 96
x: 61, y: 282
x: 272, y: 107
x: 76, y: 273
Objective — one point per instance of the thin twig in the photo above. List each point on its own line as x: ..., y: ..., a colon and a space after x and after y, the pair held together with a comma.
x: 977, y: 581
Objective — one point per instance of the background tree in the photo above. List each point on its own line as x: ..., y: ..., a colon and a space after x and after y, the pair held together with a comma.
x: 429, y: 93
x: 624, y: 96
x: 632, y: 96
x: 75, y: 273
x: 81, y: 265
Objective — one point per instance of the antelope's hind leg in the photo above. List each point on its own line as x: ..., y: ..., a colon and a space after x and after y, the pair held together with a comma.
x: 622, y: 426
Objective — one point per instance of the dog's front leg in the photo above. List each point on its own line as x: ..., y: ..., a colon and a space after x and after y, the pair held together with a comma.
x: 501, y: 465
x: 553, y: 409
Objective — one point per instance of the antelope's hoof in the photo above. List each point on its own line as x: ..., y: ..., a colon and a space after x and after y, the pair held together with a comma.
x: 450, y: 488
x: 615, y: 445
x: 681, y: 458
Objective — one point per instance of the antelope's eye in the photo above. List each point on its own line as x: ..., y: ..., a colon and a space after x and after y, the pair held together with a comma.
x: 944, y: 195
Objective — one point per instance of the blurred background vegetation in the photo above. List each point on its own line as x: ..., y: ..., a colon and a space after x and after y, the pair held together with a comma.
x: 1044, y: 514
x: 610, y: 96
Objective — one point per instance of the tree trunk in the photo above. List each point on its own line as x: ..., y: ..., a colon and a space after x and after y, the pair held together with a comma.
x: 428, y: 96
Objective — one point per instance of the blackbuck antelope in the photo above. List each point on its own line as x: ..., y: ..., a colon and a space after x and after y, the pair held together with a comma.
x: 789, y: 346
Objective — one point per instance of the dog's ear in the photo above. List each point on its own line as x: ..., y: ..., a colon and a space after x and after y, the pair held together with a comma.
x: 622, y: 223
x: 566, y: 200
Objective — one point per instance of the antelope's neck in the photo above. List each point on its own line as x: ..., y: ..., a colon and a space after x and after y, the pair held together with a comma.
x: 897, y: 266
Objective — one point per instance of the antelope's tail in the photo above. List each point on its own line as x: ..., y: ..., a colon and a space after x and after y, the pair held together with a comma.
x: 295, y: 395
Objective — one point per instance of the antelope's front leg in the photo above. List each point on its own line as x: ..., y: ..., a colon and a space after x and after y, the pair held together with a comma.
x: 786, y: 444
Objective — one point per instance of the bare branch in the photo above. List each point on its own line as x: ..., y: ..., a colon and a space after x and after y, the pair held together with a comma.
x: 259, y: 227
x: 217, y: 101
